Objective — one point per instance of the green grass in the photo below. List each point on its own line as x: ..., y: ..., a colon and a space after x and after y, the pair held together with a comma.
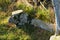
x: 26, y: 32
x: 12, y: 34
x: 23, y: 33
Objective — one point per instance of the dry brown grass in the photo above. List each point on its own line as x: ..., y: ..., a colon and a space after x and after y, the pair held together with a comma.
x: 11, y: 25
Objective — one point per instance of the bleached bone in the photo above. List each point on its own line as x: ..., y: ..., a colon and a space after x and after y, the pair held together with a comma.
x: 17, y: 12
x: 54, y: 37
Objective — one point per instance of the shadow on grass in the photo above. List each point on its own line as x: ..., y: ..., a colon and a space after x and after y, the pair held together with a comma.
x: 36, y: 33
x: 13, y: 33
x: 26, y: 32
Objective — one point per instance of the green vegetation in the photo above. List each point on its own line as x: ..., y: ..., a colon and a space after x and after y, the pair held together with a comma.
x: 4, y: 4
x: 42, y: 14
x: 26, y: 32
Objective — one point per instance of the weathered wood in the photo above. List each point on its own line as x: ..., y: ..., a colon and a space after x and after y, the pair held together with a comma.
x: 43, y: 25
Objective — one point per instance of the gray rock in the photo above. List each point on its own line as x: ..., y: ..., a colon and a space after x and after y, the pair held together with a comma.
x: 41, y: 24
x: 23, y: 18
x: 19, y: 19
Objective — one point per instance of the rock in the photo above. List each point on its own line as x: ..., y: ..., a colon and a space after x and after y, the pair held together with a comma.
x: 23, y: 18
x: 54, y: 37
x: 18, y: 17
x: 11, y: 20
x: 41, y: 24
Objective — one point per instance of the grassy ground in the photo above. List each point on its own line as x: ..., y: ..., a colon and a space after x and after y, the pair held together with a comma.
x: 26, y: 32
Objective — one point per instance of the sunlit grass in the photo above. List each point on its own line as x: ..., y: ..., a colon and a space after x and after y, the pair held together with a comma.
x: 3, y: 17
x: 13, y: 33
x: 24, y: 33
x: 4, y: 21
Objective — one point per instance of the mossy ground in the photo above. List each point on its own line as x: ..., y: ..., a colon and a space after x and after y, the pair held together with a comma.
x: 26, y: 32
